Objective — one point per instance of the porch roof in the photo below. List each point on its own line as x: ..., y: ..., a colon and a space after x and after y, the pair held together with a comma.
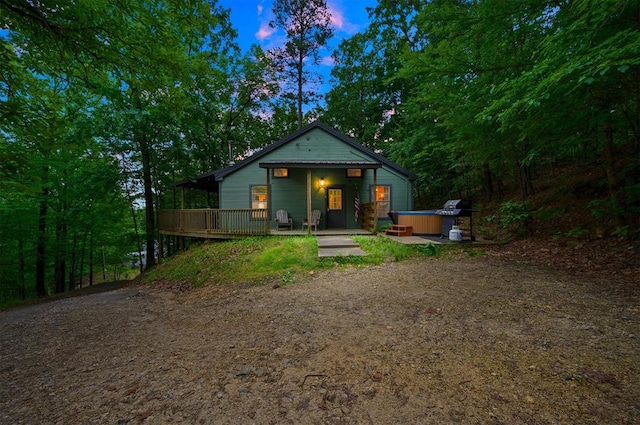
x: 320, y: 164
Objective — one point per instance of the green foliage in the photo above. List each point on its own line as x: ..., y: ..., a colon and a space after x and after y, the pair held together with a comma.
x: 343, y: 260
x: 430, y: 249
x: 626, y: 232
x: 102, y: 108
x: 483, y: 95
x: 514, y: 213
x: 475, y: 252
x: 512, y: 219
x: 288, y: 277
x: 547, y: 214
x: 577, y: 232
x: 603, y: 208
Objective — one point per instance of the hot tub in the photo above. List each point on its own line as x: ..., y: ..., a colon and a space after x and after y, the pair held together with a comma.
x: 425, y: 222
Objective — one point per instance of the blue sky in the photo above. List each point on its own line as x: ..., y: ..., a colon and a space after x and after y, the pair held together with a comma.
x: 251, y: 18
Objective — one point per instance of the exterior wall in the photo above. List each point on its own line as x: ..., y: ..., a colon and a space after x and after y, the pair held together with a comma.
x: 401, y: 191
x: 290, y: 193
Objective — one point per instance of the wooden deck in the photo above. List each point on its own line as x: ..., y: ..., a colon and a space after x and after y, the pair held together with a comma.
x: 214, y: 223
x: 322, y: 232
x: 226, y: 224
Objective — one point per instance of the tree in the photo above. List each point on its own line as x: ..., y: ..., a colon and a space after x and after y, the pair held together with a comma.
x: 581, y: 87
x: 84, y: 83
x: 55, y: 183
x: 307, y: 24
x: 359, y: 88
x: 489, y: 93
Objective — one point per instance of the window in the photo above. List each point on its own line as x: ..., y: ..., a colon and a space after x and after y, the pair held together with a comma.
x: 280, y: 173
x: 258, y: 199
x: 335, y: 199
x: 354, y: 172
x: 382, y: 196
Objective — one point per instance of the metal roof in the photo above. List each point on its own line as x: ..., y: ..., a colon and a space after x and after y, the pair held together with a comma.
x: 320, y: 164
x: 208, y: 180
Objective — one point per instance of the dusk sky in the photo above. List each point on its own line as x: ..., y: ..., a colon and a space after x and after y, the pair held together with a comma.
x: 251, y: 19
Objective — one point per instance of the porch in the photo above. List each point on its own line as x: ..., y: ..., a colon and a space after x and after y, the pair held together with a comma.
x: 210, y: 223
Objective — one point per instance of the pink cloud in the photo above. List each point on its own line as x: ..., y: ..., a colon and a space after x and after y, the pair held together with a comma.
x: 337, y: 18
x: 328, y: 61
x: 265, y: 31
x: 263, y: 16
x: 339, y: 21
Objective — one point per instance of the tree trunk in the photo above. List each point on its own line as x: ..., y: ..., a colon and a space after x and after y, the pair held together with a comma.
x: 488, y: 182
x: 84, y: 242
x: 135, y: 222
x: 526, y: 181
x: 300, y: 87
x: 21, y: 269
x: 104, y: 264
x: 61, y: 255
x: 609, y: 165
x: 148, y: 199
x: 5, y: 295
x: 42, y: 240
x: 501, y: 189
x: 72, y: 266
x: 91, y: 259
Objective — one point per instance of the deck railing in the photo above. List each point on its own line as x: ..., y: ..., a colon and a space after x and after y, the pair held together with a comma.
x: 212, y: 223
x: 369, y: 219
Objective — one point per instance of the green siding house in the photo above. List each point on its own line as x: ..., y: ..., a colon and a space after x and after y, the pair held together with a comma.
x: 315, y: 168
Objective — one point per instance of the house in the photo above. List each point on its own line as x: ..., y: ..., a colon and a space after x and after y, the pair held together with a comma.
x: 314, y: 168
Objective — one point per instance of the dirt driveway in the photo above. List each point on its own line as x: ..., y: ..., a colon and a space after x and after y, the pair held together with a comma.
x: 466, y: 340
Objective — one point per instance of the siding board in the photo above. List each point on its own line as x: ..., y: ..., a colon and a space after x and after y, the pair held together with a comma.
x: 290, y: 193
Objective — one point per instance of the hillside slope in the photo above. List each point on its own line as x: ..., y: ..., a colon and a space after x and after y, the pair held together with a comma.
x: 565, y: 224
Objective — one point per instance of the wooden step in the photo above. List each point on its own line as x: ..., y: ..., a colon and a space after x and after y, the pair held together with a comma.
x: 399, y: 230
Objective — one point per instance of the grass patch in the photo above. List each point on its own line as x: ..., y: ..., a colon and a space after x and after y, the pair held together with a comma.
x: 281, y: 259
x: 380, y: 249
x: 244, y: 260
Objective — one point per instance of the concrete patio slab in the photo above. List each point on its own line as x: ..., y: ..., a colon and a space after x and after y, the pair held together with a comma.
x: 423, y: 240
x: 336, y: 241
x: 333, y: 246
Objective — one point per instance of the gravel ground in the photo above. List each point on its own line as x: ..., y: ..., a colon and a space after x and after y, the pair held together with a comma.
x: 480, y: 340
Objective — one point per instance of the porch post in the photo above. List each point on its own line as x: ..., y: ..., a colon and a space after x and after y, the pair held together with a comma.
x: 267, y: 221
x: 309, y: 200
x: 375, y: 202
x: 182, y: 197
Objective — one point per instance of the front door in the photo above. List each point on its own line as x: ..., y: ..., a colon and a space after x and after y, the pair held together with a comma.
x: 336, y: 215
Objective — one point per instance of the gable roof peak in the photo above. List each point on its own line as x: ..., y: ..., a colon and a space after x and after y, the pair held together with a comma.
x: 220, y: 174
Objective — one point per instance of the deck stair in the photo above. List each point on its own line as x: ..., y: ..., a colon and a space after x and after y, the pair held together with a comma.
x: 399, y: 230
x: 340, y: 245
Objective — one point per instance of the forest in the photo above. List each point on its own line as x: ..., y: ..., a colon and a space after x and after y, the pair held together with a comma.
x: 104, y: 105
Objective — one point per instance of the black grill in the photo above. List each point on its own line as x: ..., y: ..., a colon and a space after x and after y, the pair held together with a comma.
x: 456, y: 207
x: 451, y: 211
